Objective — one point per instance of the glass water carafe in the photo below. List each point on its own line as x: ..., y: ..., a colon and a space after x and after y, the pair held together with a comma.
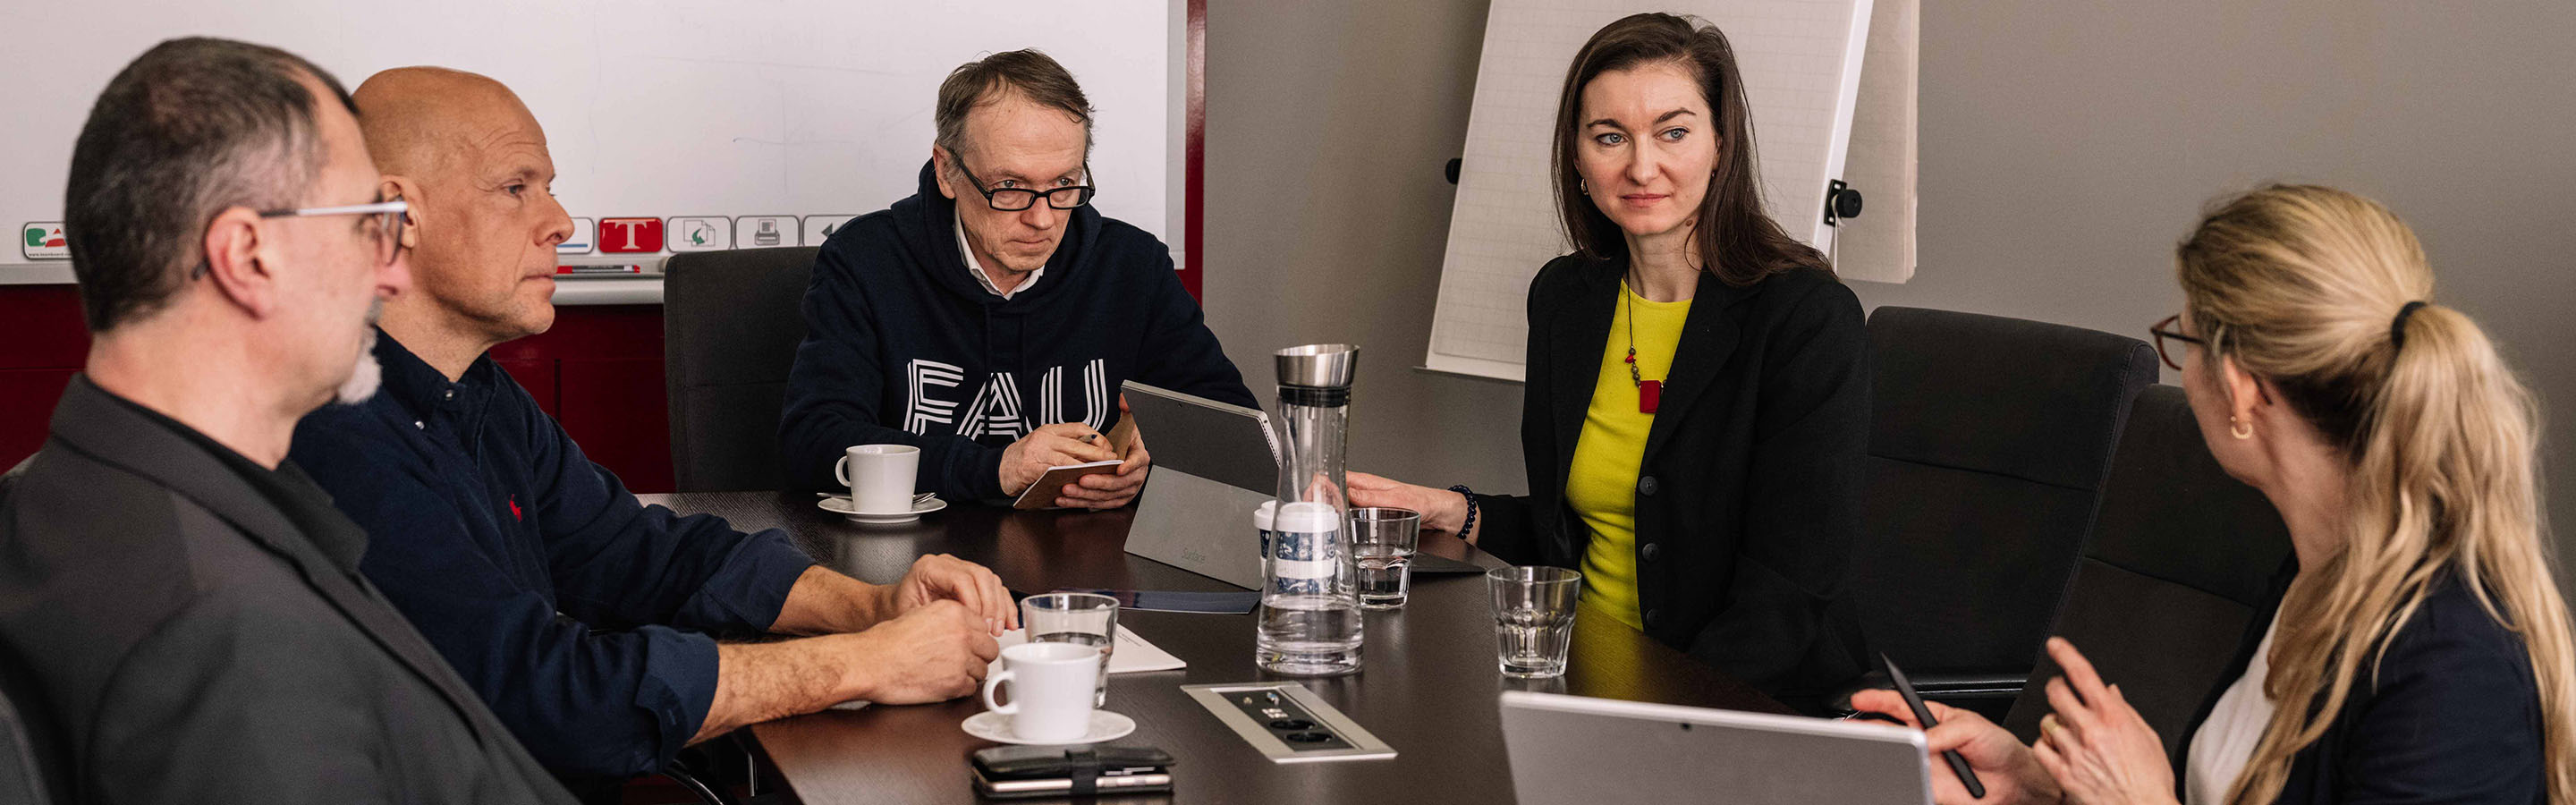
x: 1310, y: 608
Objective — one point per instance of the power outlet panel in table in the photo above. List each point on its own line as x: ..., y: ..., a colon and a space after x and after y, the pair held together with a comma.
x: 1288, y: 723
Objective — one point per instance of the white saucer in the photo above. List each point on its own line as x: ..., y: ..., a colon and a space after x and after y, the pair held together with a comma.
x: 841, y: 506
x: 992, y: 726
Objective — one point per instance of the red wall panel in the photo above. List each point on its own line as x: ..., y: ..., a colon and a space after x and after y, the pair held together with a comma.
x: 42, y: 343
x: 26, y: 404
x: 598, y: 371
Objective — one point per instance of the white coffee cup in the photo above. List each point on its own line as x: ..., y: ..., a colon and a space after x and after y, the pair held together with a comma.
x: 880, y: 476
x: 1050, y: 690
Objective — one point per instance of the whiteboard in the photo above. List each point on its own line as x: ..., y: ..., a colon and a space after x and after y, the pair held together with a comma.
x: 655, y: 108
x: 1801, y: 61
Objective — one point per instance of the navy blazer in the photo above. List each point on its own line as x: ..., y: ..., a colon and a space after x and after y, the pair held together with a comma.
x: 1749, y: 494
x: 2450, y: 714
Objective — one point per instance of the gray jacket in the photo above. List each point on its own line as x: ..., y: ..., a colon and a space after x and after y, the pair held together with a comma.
x: 189, y: 637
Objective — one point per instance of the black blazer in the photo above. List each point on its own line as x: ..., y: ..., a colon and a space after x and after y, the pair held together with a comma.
x: 1748, y: 499
x: 2451, y: 714
x: 187, y: 641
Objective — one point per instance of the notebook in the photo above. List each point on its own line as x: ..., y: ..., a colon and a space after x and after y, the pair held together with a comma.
x: 1042, y: 494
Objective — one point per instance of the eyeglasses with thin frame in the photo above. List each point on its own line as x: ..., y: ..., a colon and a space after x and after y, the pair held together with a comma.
x: 385, y: 231
x: 2171, y: 330
x: 1015, y: 199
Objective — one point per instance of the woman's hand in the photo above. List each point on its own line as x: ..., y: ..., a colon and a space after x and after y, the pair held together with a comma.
x: 2095, y: 744
x: 2005, y: 767
x: 1442, y: 510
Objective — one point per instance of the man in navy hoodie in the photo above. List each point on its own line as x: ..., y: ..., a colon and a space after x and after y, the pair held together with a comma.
x: 990, y: 318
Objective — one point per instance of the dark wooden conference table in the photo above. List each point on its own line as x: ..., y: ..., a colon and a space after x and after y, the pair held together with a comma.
x: 1427, y: 685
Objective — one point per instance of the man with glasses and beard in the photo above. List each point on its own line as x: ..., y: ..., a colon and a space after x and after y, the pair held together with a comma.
x: 181, y: 614
x: 991, y: 318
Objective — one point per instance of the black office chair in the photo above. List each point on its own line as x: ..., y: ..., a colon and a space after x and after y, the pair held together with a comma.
x: 2180, y: 558
x: 731, y: 321
x: 1989, y: 440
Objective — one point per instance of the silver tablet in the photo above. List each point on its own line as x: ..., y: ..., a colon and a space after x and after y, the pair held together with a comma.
x: 1213, y: 464
x: 1574, y: 750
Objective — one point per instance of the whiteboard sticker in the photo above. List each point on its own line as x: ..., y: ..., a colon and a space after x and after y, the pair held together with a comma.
x: 819, y: 228
x: 764, y: 231
x: 43, y: 240
x: 585, y: 237
x: 699, y: 234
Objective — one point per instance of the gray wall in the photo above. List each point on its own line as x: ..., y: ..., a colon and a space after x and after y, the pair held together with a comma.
x: 2065, y: 147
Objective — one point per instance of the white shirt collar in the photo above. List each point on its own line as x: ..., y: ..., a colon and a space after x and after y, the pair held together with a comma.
x: 967, y: 253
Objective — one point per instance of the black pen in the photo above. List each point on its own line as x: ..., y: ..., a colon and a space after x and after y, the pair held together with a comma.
x: 1923, y: 714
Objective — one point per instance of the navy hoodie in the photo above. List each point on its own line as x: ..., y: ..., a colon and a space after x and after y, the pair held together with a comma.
x: 902, y: 346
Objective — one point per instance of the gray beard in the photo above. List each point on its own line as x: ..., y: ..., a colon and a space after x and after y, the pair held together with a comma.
x: 365, y: 375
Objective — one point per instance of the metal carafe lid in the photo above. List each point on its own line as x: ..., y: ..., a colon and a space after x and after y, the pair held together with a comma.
x: 1318, y: 365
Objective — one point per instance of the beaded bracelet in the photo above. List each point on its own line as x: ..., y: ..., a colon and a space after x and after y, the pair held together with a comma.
x: 1468, y: 527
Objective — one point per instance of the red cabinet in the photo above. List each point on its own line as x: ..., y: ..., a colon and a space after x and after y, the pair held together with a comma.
x: 599, y: 372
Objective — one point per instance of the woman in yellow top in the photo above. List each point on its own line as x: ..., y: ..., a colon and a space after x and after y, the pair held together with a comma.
x: 1697, y: 402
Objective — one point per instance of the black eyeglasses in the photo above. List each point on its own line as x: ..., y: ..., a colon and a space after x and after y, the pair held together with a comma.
x: 1015, y: 199
x: 2171, y: 330
x: 385, y: 233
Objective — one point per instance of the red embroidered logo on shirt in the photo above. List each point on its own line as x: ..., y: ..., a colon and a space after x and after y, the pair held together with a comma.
x: 514, y: 508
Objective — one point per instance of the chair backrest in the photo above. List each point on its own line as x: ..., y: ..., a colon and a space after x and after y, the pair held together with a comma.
x: 2181, y: 557
x: 1989, y: 440
x: 731, y: 321
x: 32, y: 770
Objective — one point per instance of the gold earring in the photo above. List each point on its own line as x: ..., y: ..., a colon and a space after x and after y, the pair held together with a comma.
x: 1583, y: 185
x: 2240, y: 429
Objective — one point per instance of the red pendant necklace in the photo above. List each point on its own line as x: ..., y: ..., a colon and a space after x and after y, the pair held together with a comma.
x: 1650, y: 393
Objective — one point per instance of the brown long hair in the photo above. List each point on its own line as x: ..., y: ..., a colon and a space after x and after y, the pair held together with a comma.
x: 1739, y: 243
x: 2304, y: 286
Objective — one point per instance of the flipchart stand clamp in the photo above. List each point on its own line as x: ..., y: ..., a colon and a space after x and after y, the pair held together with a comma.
x: 1841, y: 201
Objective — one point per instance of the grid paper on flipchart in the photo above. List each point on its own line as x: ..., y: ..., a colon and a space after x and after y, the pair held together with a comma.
x: 1503, y: 225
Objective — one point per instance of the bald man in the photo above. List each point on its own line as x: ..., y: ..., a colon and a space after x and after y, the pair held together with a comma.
x: 583, y: 617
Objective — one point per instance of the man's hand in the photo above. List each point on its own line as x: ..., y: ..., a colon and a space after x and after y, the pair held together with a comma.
x: 934, y: 652
x: 941, y: 577
x: 931, y: 653
x: 1108, y: 490
x: 1054, y: 445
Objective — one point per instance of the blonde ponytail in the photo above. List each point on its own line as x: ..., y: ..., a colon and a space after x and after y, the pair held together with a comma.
x: 2313, y: 289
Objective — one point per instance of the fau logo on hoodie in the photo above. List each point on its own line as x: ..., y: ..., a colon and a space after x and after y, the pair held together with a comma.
x: 995, y: 408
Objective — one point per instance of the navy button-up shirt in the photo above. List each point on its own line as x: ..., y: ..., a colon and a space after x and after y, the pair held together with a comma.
x: 579, y: 614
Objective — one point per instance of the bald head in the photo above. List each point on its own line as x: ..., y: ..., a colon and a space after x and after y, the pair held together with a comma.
x: 419, y: 119
x: 474, y: 165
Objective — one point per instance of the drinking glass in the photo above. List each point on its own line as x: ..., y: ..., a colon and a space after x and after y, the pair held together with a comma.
x: 1382, y: 543
x: 1533, y: 618
x: 1086, y: 619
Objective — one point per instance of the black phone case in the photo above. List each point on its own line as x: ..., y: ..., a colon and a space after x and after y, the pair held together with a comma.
x: 1019, y: 762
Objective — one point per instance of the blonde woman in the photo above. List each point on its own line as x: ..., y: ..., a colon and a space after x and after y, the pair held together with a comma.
x: 2420, y: 653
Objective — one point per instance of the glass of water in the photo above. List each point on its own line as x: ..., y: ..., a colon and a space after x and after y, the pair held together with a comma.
x: 1082, y: 618
x: 1533, y: 618
x: 1382, y: 543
